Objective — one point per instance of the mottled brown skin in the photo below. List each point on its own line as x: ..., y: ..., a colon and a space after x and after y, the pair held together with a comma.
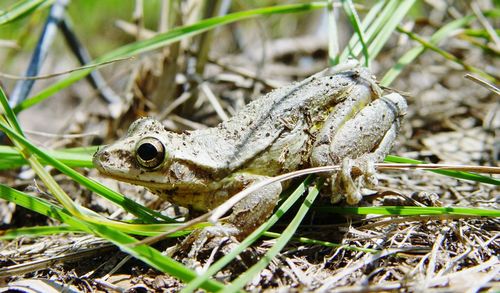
x: 329, y: 118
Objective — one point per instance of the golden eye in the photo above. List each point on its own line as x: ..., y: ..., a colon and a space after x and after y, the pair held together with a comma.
x: 150, y: 152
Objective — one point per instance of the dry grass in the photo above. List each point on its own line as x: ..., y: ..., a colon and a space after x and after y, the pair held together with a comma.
x: 450, y: 120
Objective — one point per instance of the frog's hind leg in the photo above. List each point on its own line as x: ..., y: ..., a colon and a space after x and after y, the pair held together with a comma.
x: 361, y: 141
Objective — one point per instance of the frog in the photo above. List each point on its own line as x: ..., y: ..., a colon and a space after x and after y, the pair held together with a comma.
x: 338, y: 116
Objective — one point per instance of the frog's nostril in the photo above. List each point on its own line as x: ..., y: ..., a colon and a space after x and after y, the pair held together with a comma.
x: 105, y: 156
x: 100, y: 158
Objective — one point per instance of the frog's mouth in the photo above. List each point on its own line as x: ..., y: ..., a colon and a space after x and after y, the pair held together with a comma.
x: 140, y: 182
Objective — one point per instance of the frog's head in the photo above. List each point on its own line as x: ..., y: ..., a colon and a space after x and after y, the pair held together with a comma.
x: 141, y: 157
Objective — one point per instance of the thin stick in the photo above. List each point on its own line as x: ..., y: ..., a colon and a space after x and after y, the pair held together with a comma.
x: 483, y: 83
x: 52, y: 75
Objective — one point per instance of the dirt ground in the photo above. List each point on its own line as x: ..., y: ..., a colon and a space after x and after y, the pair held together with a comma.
x: 450, y: 119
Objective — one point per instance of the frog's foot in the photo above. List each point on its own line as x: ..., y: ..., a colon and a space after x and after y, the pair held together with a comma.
x: 354, y: 175
x: 200, y: 249
x: 207, y: 239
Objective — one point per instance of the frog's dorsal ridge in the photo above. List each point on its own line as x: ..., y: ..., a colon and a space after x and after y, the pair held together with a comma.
x: 251, y: 131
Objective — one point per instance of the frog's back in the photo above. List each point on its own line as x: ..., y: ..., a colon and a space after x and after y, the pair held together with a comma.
x: 261, y: 135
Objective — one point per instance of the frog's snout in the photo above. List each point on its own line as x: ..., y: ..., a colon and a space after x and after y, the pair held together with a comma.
x: 99, y: 157
x: 114, y: 159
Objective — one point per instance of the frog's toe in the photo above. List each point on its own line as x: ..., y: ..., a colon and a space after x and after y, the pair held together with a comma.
x: 203, y: 243
x: 353, y: 175
x: 199, y: 250
x: 366, y: 166
x: 343, y: 183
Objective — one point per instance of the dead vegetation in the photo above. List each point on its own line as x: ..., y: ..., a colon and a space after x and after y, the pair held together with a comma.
x: 202, y: 80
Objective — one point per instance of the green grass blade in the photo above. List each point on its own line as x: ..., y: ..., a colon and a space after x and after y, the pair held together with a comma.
x: 131, y: 206
x: 450, y: 173
x: 371, y: 25
x: 165, y: 39
x: 278, y: 246
x: 9, y: 114
x: 333, y: 36
x: 356, y: 24
x: 40, y: 206
x: 145, y: 253
x: 55, y: 212
x: 47, y: 179
x: 225, y: 260
x: 480, y: 33
x: 310, y: 241
x: 446, y: 55
x: 389, y: 27
x: 410, y: 211
x: 377, y: 26
x: 437, y: 37
x: 10, y: 157
x: 20, y: 9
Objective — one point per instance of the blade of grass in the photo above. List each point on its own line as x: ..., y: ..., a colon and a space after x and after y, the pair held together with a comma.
x: 39, y: 231
x: 410, y: 211
x: 310, y: 241
x: 333, y: 36
x: 450, y: 173
x: 226, y: 259
x: 10, y: 158
x: 278, y: 246
x: 479, y: 33
x: 371, y: 25
x: 49, y: 181
x: 21, y: 8
x: 388, y: 28
x: 437, y: 37
x: 10, y: 117
x: 131, y: 206
x: 45, y: 208
x: 164, y: 39
x: 356, y: 24
x: 446, y: 55
x: 378, y: 26
x: 145, y: 253
x: 40, y: 206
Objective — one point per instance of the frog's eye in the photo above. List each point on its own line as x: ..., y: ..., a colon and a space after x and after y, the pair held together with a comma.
x: 150, y: 152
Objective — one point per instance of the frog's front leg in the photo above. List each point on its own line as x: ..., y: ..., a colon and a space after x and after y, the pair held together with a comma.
x: 357, y: 143
x: 245, y: 217
x: 254, y: 209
